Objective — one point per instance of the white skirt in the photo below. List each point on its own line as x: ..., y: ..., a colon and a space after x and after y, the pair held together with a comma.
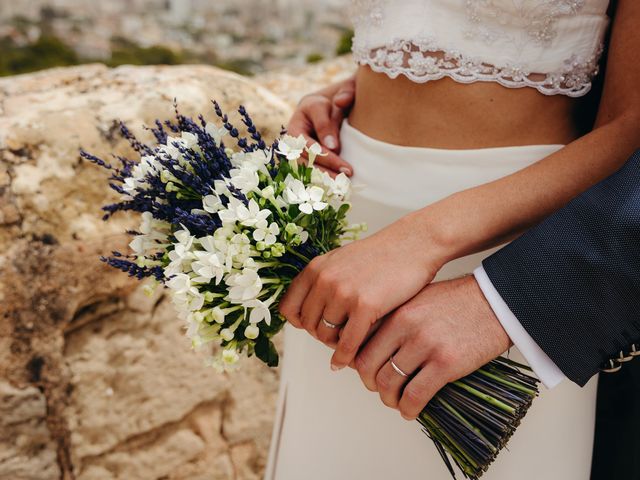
x: 330, y: 427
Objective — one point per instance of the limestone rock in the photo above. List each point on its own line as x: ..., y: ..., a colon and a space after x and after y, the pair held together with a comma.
x: 26, y: 446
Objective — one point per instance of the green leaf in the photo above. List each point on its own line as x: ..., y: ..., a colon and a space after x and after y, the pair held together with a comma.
x: 266, y: 351
x: 344, y: 208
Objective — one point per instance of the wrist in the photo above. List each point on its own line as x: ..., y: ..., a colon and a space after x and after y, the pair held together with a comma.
x: 482, y: 310
x: 437, y: 233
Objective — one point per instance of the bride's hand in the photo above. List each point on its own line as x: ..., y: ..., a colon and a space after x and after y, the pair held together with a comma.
x: 359, y: 283
x: 318, y: 117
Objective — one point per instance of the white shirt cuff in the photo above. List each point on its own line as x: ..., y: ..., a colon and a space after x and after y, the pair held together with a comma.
x: 546, y: 370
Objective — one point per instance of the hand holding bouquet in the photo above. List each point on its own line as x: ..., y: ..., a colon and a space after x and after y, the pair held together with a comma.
x: 227, y: 231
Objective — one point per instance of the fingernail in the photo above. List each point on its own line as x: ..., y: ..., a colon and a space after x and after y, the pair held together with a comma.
x: 342, y: 96
x: 330, y: 142
x: 345, y: 170
x: 334, y: 367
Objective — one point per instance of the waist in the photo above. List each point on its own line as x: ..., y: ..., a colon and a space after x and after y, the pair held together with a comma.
x: 451, y: 115
x: 392, y: 180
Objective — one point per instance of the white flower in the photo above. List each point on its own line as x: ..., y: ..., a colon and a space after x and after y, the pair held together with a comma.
x: 212, y: 203
x: 147, y: 165
x: 239, y: 249
x: 244, y: 286
x: 180, y: 283
x: 217, y: 133
x: 189, y: 140
x: 315, y: 150
x: 251, y: 332
x: 338, y: 188
x: 309, y: 198
x: 217, y: 314
x: 186, y: 296
x: 259, y: 311
x: 268, y: 192
x: 193, y: 325
x: 245, y: 179
x: 226, y: 334
x: 230, y: 356
x: 208, y: 266
x: 182, y: 252
x: 266, y: 233
x: 236, y: 211
x: 341, y: 186
x: 154, y: 235
x: 291, y: 147
x: 258, y: 159
x: 221, y: 188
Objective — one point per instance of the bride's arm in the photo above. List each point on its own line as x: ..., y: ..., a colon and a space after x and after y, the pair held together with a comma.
x: 488, y: 215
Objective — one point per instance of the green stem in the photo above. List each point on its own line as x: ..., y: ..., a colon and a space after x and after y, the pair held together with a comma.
x: 485, y: 397
x: 504, y: 381
x: 299, y: 255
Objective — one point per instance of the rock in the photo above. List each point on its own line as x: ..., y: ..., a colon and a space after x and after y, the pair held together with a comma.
x: 153, y: 461
x: 96, y: 380
x: 26, y: 446
x: 293, y: 84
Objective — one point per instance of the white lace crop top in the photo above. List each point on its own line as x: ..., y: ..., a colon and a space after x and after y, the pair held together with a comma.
x: 551, y: 45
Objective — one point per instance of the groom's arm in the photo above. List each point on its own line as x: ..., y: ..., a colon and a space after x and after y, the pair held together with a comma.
x: 573, y: 281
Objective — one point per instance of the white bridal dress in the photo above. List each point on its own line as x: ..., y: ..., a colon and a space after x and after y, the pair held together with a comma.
x: 330, y: 427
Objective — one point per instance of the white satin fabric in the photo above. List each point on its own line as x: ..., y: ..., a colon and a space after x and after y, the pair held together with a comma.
x: 330, y: 427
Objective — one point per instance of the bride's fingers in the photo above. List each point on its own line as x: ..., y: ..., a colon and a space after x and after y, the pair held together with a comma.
x: 312, y: 308
x: 376, y: 352
x: 291, y: 303
x: 335, y: 312
x: 391, y: 381
x: 352, y: 336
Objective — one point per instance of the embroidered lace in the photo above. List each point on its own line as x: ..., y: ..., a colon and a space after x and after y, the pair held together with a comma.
x: 551, y: 45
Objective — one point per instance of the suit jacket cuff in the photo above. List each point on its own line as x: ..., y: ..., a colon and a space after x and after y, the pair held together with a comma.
x: 546, y: 370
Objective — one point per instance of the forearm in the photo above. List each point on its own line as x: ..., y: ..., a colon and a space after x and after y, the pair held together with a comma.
x: 490, y: 214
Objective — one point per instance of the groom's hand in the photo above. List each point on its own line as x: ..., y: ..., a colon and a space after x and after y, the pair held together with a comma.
x: 445, y: 332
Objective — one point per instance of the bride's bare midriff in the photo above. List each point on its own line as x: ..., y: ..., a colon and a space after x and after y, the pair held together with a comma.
x: 453, y: 115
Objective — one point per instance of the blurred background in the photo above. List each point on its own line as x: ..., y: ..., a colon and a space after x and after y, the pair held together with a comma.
x: 246, y: 36
x: 97, y: 380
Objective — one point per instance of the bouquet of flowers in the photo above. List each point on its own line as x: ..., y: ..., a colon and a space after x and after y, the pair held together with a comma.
x: 226, y: 230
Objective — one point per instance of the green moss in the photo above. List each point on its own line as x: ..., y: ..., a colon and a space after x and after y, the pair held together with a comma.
x: 345, y: 42
x: 315, y: 57
x: 46, y: 52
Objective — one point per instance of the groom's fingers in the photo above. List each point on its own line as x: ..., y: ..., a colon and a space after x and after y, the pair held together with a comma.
x: 391, y: 381
x: 376, y: 352
x: 420, y: 390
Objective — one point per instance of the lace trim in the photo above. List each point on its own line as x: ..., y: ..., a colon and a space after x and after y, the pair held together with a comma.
x: 424, y: 60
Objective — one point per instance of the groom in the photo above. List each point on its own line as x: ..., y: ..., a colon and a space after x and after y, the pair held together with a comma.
x: 566, y: 293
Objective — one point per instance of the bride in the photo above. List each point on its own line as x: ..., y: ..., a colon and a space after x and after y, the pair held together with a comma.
x: 471, y: 123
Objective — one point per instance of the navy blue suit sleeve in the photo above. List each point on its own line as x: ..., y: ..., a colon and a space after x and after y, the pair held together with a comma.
x: 573, y: 281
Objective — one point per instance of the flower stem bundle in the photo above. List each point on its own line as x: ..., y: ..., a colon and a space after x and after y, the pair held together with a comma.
x: 472, y: 419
